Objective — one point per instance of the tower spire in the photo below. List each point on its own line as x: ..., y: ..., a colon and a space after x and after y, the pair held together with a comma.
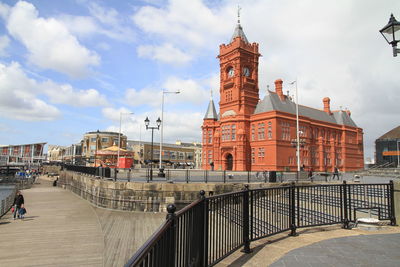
x: 239, y: 30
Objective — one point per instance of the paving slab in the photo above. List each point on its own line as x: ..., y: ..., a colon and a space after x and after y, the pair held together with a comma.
x: 323, y: 246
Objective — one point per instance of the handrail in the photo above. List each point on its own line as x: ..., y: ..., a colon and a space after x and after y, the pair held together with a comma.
x: 148, y: 245
x: 209, y: 229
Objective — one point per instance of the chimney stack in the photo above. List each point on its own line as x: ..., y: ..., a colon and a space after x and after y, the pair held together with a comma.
x: 327, y: 107
x: 278, y: 89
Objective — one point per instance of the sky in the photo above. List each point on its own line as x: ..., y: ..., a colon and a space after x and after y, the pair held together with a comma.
x: 73, y: 66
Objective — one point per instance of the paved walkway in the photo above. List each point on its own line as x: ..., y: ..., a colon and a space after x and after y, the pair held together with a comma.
x: 323, y: 246
x: 61, y: 229
x: 365, y: 250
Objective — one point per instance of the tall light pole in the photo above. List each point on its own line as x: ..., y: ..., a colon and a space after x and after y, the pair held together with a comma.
x: 297, y: 132
x: 161, y: 173
x: 152, y: 128
x: 398, y: 154
x: 119, y: 133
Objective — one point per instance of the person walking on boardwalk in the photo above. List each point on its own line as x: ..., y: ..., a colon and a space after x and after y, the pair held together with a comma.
x: 18, y: 204
x: 335, y: 173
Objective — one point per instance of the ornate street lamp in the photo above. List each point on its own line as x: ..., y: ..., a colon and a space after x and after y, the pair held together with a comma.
x: 391, y: 33
x: 161, y: 173
x: 152, y: 128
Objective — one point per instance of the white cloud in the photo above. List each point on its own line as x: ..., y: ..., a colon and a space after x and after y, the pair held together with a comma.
x: 181, y: 27
x: 21, y: 96
x: 4, y: 42
x: 103, y: 21
x: 66, y: 94
x: 114, y: 114
x: 183, y: 126
x: 18, y: 99
x: 166, y: 53
x: 191, y: 92
x: 50, y: 44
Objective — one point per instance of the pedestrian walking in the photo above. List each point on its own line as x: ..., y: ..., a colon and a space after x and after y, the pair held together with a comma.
x: 335, y: 173
x: 18, y: 204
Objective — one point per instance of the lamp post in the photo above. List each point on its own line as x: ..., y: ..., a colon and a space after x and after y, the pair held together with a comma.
x: 398, y: 154
x: 119, y: 133
x: 391, y: 33
x: 297, y: 132
x: 161, y: 173
x: 147, y: 122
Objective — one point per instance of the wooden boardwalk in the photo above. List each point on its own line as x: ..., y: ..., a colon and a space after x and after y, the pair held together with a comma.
x: 61, y: 229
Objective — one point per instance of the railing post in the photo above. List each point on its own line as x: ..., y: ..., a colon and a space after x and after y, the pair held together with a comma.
x: 129, y: 175
x: 203, y: 261
x: 345, y: 206
x: 224, y: 177
x: 248, y: 176
x: 187, y: 176
x: 147, y: 175
x: 170, y: 259
x: 246, y: 219
x: 392, y: 207
x: 292, y: 209
x: 205, y: 176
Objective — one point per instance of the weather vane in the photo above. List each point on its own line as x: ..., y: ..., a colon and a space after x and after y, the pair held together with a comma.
x: 238, y: 13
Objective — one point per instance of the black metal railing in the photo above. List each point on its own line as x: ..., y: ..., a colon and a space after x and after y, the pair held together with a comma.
x: 210, y: 229
x: 194, y: 176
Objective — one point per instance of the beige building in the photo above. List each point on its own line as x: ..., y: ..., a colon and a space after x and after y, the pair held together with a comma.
x: 95, y: 141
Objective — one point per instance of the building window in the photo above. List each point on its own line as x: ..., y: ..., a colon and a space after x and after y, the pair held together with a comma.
x: 285, y: 127
x: 261, y: 131
x: 116, y: 141
x: 228, y: 95
x: 104, y: 139
x: 210, y: 136
x: 93, y: 140
x: 253, y: 132
x: 269, y: 130
x: 303, y: 131
x: 253, y: 155
x: 226, y: 135
x: 92, y: 147
x: 210, y: 156
x: 261, y: 152
x: 233, y: 131
x: 204, y: 137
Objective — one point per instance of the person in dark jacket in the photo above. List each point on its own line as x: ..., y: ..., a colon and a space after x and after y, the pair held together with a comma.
x: 18, y: 204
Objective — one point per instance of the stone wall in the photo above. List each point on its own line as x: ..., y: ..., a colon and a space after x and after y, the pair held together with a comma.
x: 134, y: 196
x: 51, y: 169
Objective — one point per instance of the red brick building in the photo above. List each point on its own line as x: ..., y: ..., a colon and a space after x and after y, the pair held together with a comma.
x: 253, y: 134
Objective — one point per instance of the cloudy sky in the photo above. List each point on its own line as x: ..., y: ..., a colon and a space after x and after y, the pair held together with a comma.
x: 68, y: 67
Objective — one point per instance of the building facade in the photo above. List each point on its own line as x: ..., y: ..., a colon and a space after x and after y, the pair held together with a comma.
x: 180, y: 154
x: 387, y: 148
x: 27, y: 154
x: 95, y: 141
x: 253, y: 134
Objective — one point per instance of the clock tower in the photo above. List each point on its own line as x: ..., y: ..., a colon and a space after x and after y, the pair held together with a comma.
x: 238, y: 75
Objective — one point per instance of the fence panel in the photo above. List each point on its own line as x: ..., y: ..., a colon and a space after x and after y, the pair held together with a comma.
x: 225, y: 225
x: 269, y: 212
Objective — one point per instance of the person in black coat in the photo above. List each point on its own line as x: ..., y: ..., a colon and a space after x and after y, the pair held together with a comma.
x: 18, y: 204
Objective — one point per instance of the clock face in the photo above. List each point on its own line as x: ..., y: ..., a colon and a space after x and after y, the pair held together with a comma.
x: 231, y: 71
x: 246, y: 72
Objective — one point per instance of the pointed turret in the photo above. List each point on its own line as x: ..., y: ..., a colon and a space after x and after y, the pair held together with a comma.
x: 211, y: 112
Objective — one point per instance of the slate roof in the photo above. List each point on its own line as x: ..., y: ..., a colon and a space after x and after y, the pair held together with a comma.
x: 239, y: 33
x: 392, y: 134
x: 211, y: 112
x: 272, y: 102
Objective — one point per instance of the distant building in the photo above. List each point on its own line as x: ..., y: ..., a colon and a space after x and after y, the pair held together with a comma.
x: 387, y: 148
x: 95, y: 141
x: 22, y: 155
x: 55, y: 153
x: 180, y: 154
x: 249, y: 133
